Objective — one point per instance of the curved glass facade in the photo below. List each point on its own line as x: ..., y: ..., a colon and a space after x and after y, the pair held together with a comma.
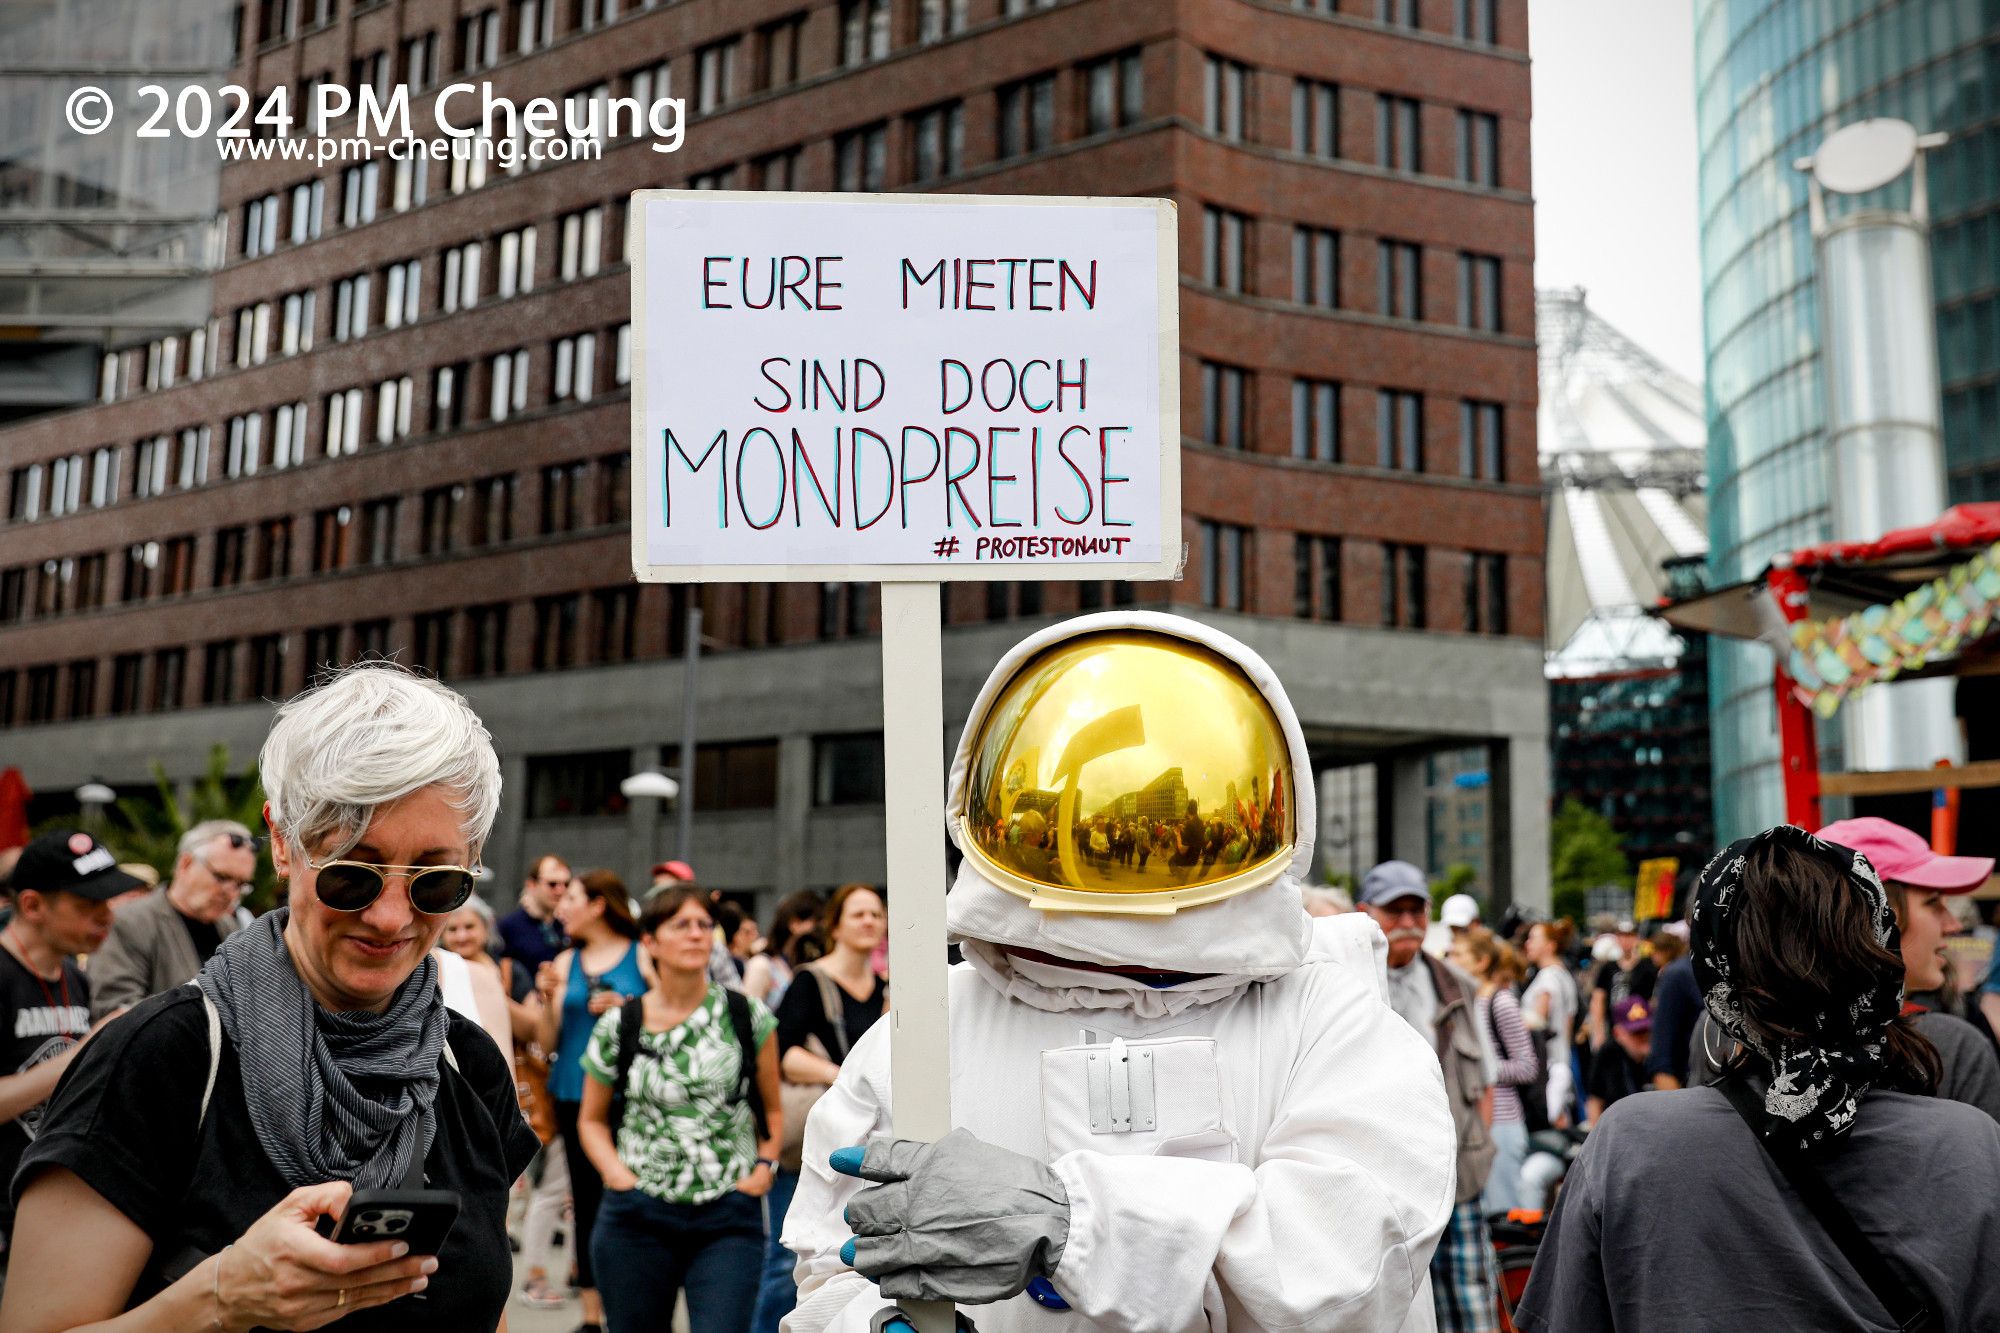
x: 1773, y: 78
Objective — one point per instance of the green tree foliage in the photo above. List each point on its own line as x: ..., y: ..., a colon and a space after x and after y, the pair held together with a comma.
x: 1584, y: 854
x: 149, y: 829
x: 1458, y: 878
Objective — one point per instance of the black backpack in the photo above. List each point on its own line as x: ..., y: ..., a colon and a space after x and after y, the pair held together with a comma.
x: 632, y: 1019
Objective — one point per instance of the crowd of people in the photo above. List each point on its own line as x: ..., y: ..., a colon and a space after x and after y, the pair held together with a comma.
x: 617, y: 1085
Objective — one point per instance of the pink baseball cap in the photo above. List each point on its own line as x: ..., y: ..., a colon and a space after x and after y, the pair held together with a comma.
x: 1900, y: 855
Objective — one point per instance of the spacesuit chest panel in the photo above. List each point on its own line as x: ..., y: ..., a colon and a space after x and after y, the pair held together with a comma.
x: 1162, y: 1097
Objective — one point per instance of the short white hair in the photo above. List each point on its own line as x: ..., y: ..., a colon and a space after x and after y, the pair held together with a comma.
x: 367, y: 737
x: 202, y: 834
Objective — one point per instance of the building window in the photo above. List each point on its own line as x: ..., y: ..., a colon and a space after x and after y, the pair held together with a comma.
x: 1479, y: 444
x: 246, y: 445
x: 343, y: 422
x: 253, y: 334
x: 479, y: 40
x: 777, y: 53
x: 272, y: 558
x: 419, y: 63
x: 42, y: 684
x: 510, y: 385
x: 555, y: 631
x: 532, y: 23
x: 308, y: 203
x: 492, y: 511
x: 1400, y: 429
x: 1402, y: 586
x: 126, y: 670
x: 486, y: 639
x: 939, y: 19
x: 1485, y: 593
x: 1114, y: 92
x: 562, y: 497
x: 1315, y: 118
x: 1397, y: 133
x: 937, y: 142
x: 371, y: 640
x: 1316, y: 420
x: 288, y: 434
x: 448, y: 389
x: 613, y: 502
x: 360, y: 189
x: 732, y: 775
x: 350, y: 307
x: 169, y: 678
x: 141, y: 559
x: 779, y: 171
x: 1315, y: 577
x: 411, y: 186
x: 1316, y: 266
x: 575, y: 368
x: 1397, y: 13
x: 847, y: 770
x: 1401, y: 271
x: 378, y: 531
x: 582, y: 244
x: 438, y: 531
x: 82, y: 690
x: 392, y: 409
x: 267, y: 666
x: 177, y: 566
x: 517, y: 262
x: 615, y: 612
x: 1478, y: 20
x: 864, y: 31
x: 1222, y: 552
x: 461, y: 278
x: 843, y: 610
x: 576, y: 786
x: 1027, y: 116
x: 260, y: 226
x: 1479, y: 292
x: 295, y: 333
x: 322, y: 649
x: 1224, y: 405
x: 1226, y: 98
x: 1223, y: 242
x: 333, y: 530
x: 430, y: 649
x: 1478, y: 148
x: 861, y: 158
x: 714, y: 76
x: 401, y: 285
x: 218, y: 674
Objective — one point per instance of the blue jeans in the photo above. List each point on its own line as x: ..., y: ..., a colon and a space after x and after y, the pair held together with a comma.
x: 778, y: 1293
x: 644, y: 1250
x: 1503, y: 1183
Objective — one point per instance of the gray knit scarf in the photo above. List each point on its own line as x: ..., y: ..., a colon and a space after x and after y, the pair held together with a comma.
x: 332, y: 1095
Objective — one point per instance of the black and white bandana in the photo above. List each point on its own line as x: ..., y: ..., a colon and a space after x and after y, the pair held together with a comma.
x: 1816, y: 1081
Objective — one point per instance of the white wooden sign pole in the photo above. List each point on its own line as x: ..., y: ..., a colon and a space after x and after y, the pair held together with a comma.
x: 905, y: 389
x: 913, y: 801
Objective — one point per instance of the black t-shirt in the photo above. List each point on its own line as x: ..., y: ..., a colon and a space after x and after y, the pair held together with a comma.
x: 1619, y: 984
x: 39, y: 1020
x: 801, y: 1015
x: 205, y: 937
x: 126, y: 1119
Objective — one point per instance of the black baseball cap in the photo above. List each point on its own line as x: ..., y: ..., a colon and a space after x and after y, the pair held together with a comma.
x: 71, y: 861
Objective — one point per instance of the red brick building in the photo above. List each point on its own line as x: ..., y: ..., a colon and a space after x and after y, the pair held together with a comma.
x: 388, y: 440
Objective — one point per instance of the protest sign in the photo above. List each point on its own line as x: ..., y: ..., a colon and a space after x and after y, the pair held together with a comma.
x: 903, y: 387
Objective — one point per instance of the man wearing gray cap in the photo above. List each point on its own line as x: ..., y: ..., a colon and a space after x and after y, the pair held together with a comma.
x: 1438, y: 1000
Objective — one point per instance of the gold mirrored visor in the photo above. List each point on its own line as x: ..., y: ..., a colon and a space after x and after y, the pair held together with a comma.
x: 1130, y: 772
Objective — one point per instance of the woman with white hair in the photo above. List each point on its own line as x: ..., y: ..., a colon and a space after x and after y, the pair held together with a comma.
x: 188, y: 1156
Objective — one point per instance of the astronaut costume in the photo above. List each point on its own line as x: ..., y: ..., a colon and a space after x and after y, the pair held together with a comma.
x: 1253, y: 1141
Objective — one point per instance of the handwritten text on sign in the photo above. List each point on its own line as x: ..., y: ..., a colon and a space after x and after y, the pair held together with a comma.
x: 901, y: 381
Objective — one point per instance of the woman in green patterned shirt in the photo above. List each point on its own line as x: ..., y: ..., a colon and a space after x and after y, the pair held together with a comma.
x: 684, y: 1183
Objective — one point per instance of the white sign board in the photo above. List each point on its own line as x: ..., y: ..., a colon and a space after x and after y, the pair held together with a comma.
x: 903, y: 387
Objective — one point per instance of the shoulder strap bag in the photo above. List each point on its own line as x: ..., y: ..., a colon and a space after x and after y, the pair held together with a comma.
x: 800, y: 1098
x: 1912, y: 1313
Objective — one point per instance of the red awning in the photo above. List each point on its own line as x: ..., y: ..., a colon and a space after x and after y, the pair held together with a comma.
x: 14, y: 797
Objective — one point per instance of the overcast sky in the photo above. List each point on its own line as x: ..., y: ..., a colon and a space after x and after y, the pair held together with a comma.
x: 1616, y: 194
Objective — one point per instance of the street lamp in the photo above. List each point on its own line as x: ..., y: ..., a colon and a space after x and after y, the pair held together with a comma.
x: 92, y: 797
x: 650, y: 782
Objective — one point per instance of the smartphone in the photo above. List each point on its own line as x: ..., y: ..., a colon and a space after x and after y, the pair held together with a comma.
x: 420, y: 1219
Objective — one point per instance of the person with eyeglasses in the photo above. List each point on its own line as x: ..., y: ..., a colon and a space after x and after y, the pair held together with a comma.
x: 530, y: 934
x: 1440, y: 1001
x: 198, y: 1141
x: 163, y: 939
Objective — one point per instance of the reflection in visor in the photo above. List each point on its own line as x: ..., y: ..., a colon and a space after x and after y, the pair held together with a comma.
x: 1128, y: 763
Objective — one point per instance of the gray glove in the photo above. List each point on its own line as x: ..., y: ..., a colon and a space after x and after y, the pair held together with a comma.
x: 956, y: 1220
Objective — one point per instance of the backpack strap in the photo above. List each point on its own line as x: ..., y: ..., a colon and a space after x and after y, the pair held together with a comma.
x: 631, y: 1022
x: 214, y: 1017
x: 830, y: 1004
x: 1912, y: 1313
x: 747, y: 1089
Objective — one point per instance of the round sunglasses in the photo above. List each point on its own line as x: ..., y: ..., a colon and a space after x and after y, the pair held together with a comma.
x: 351, y: 886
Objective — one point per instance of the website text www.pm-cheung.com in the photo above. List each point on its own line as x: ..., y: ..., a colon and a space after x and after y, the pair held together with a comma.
x: 504, y: 152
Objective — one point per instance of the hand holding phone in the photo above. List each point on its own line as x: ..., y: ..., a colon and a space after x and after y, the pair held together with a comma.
x: 420, y: 1219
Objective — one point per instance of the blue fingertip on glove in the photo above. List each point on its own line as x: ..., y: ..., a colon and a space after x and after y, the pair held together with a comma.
x: 847, y: 1255
x: 847, y: 1161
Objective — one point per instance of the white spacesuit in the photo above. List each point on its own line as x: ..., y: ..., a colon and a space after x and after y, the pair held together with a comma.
x: 1253, y: 1141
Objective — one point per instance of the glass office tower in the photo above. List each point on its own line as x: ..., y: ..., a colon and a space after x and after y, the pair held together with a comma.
x: 1773, y: 78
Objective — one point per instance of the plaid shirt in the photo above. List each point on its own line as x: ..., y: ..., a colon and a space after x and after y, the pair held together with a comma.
x: 1462, y: 1275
